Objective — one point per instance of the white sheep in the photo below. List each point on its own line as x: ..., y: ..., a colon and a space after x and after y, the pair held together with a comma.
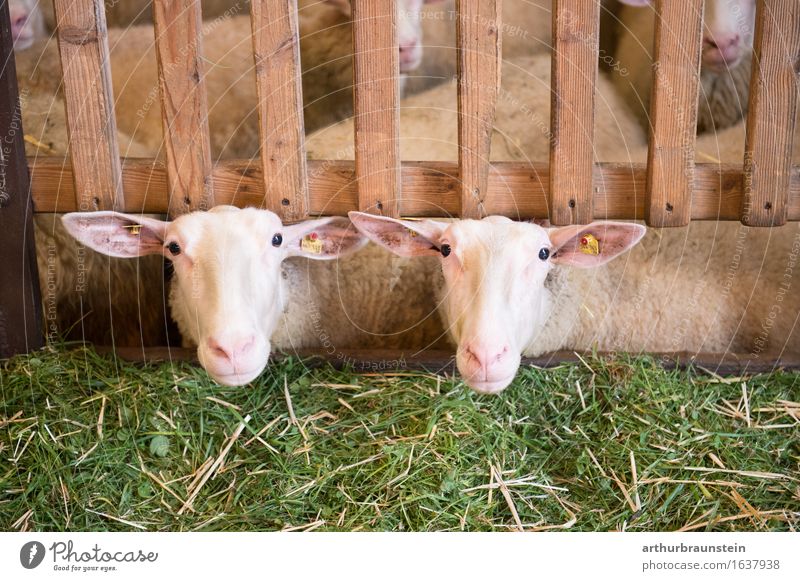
x: 725, y: 69
x: 243, y: 285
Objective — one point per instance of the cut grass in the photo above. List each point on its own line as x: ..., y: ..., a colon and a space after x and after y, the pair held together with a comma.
x: 89, y: 442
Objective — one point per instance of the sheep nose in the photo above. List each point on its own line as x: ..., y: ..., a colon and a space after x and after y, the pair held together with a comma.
x: 231, y: 350
x: 18, y: 21
x: 486, y: 356
x: 726, y: 42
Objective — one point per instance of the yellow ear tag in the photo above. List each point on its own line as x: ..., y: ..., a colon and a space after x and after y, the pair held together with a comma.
x: 311, y: 243
x: 589, y: 245
x: 411, y: 232
x: 135, y: 229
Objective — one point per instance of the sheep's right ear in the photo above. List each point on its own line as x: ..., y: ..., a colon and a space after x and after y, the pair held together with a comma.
x: 407, y: 238
x: 116, y: 234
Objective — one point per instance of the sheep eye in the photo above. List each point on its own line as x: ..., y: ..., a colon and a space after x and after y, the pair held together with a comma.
x: 544, y: 254
x: 445, y: 250
x: 277, y: 240
x: 174, y: 248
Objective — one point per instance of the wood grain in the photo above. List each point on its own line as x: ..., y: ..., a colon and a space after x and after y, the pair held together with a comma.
x: 576, y: 33
x: 772, y: 113
x: 376, y: 70
x: 83, y: 45
x: 479, y: 57
x: 280, y: 107
x: 184, y: 104
x: 517, y: 190
x: 673, y: 112
x: 20, y: 297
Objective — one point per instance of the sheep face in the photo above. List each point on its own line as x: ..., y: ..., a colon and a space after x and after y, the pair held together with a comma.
x: 227, y: 294
x: 728, y: 29
x: 27, y: 23
x: 494, y: 300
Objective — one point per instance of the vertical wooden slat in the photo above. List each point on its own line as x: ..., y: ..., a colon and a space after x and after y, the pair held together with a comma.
x: 673, y: 112
x: 280, y: 108
x: 772, y: 112
x: 376, y: 70
x: 184, y: 105
x: 83, y: 44
x: 479, y: 52
x: 576, y: 33
x: 20, y: 300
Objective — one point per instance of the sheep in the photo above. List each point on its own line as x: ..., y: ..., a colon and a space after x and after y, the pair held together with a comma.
x: 245, y: 283
x: 27, y: 23
x: 429, y: 121
x: 697, y: 284
x: 726, y: 60
x: 326, y: 57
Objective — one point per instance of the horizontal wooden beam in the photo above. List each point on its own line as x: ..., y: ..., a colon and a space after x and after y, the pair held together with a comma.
x: 384, y: 361
x: 518, y: 190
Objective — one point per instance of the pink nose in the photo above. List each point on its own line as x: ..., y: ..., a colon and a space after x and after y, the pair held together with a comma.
x: 18, y: 21
x: 231, y: 350
x: 409, y: 55
x: 485, y: 357
x: 722, y: 50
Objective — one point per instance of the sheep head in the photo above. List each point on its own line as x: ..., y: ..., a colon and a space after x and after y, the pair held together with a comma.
x: 494, y: 301
x: 227, y: 294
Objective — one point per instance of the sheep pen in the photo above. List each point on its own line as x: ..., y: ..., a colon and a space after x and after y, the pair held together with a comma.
x: 386, y: 435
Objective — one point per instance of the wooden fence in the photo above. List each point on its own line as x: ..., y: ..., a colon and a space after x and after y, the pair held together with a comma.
x: 669, y: 191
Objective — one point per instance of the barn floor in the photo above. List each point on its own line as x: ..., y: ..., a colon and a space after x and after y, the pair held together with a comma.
x: 92, y: 443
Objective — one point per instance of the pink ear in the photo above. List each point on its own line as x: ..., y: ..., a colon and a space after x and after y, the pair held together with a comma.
x: 594, y: 244
x: 116, y: 234
x: 407, y: 238
x: 323, y: 239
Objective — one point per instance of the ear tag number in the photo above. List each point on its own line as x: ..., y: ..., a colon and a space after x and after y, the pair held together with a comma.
x: 589, y: 245
x: 411, y: 232
x: 135, y: 229
x: 311, y: 243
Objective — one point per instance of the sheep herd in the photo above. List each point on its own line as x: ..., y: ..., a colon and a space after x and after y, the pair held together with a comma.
x: 243, y: 284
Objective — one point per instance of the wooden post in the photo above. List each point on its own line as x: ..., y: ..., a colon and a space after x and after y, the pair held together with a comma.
x: 83, y: 43
x: 184, y: 104
x: 280, y: 107
x: 772, y: 113
x: 576, y: 33
x: 20, y: 299
x: 376, y: 71
x: 673, y: 112
x: 478, y: 62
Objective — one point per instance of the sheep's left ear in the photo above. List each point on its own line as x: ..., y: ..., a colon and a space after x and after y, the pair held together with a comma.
x: 594, y: 244
x: 323, y: 239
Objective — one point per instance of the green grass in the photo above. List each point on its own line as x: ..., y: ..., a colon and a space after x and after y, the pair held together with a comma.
x: 92, y: 443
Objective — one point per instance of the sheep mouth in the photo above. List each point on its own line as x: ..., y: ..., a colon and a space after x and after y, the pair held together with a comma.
x: 490, y: 387
x: 236, y: 379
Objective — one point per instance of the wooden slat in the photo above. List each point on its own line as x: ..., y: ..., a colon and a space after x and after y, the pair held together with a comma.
x: 772, y: 113
x: 280, y: 107
x: 83, y: 44
x: 576, y: 32
x: 184, y: 105
x: 517, y: 190
x: 20, y: 300
x: 479, y: 57
x: 376, y: 70
x: 673, y: 112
